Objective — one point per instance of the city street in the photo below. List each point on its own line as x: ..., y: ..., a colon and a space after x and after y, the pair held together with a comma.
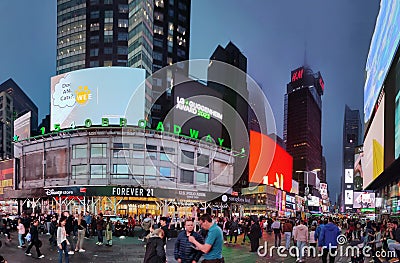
x: 132, y: 250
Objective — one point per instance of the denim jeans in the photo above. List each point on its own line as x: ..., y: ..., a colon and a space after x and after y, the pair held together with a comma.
x: 20, y: 239
x: 60, y: 252
x: 288, y: 236
x: 100, y: 235
x: 300, y: 246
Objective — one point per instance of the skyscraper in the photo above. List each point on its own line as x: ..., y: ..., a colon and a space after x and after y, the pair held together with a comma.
x: 302, y: 122
x: 13, y: 104
x: 97, y: 33
x: 351, y: 139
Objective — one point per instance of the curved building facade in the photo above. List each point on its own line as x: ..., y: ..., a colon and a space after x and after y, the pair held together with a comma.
x: 119, y: 171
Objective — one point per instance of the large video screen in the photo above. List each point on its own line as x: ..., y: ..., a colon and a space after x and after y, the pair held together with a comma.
x: 269, y: 163
x: 364, y: 200
x: 358, y: 170
x: 97, y: 93
x: 397, y: 125
x: 383, y: 46
x: 373, y: 162
x: 22, y: 126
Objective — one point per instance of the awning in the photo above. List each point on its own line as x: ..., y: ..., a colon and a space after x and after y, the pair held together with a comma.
x: 390, y: 174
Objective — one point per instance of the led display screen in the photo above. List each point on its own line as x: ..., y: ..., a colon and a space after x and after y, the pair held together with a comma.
x: 348, y: 197
x: 397, y: 126
x: 96, y: 93
x: 364, y: 200
x: 373, y: 161
x: 269, y: 163
x: 383, y: 46
x: 348, y: 176
x: 358, y: 174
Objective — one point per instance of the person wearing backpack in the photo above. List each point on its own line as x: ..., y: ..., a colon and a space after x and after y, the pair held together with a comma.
x: 34, y: 240
x: 277, y: 228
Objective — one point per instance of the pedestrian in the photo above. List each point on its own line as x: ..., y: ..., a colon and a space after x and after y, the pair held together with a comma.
x: 318, y: 231
x: 69, y: 227
x: 53, y: 231
x: 21, y: 232
x: 155, y: 252
x: 328, y: 241
x: 147, y: 224
x: 233, y: 230
x: 301, y: 236
x: 213, y: 243
x: 88, y: 220
x: 81, y: 234
x: 245, y: 228
x: 62, y: 241
x: 254, y: 234
x: 311, y: 238
x: 109, y: 235
x: 164, y: 227
x: 34, y: 240
x: 277, y: 228
x: 287, y: 231
x: 7, y: 227
x: 184, y: 251
x: 100, y: 228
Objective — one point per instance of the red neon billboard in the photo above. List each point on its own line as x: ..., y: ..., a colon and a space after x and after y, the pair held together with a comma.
x: 269, y: 163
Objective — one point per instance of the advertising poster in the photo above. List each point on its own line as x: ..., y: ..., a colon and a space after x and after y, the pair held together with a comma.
x: 348, y: 197
x: 364, y: 200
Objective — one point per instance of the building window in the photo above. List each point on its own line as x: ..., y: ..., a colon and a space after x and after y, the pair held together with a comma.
x: 123, y: 8
x: 94, y: 26
x: 151, y: 147
x: 158, y: 30
x: 158, y: 43
x: 181, y: 53
x: 94, y: 52
x: 94, y: 39
x: 108, y: 38
x: 108, y: 14
x: 94, y: 63
x: 94, y: 14
x: 122, y: 36
x: 182, y: 6
x: 159, y: 3
x: 137, y: 146
x: 171, y: 13
x: 187, y: 176
x: 79, y: 171
x: 151, y: 172
x: 187, y: 157
x: 121, y: 150
x: 159, y: 16
x: 120, y: 171
x: 201, y: 178
x: 108, y: 63
x: 108, y: 2
x: 181, y: 30
x: 108, y: 50
x: 98, y: 171
x: 98, y: 150
x: 79, y: 151
x: 157, y: 56
x: 122, y: 50
x: 123, y: 23
x: 165, y: 171
x: 203, y: 160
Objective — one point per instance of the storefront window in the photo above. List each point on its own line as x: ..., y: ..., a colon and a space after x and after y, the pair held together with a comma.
x: 98, y: 150
x: 98, y: 171
x: 79, y: 151
x: 187, y: 176
x: 79, y: 171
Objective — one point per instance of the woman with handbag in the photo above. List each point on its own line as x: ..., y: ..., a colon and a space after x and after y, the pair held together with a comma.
x: 62, y: 241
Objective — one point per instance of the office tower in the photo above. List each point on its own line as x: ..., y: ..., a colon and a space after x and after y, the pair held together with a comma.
x: 302, y: 122
x: 13, y: 104
x: 234, y: 92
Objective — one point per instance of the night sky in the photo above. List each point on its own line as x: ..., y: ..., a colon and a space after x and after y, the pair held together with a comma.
x: 276, y: 37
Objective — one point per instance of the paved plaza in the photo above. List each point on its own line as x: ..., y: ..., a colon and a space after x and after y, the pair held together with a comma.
x: 132, y: 250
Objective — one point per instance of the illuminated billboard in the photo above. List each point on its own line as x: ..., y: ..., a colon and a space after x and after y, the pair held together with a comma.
x: 348, y: 197
x: 364, y: 200
x: 358, y: 174
x: 373, y: 161
x: 348, y: 176
x: 383, y: 46
x: 97, y: 94
x: 397, y: 126
x: 269, y: 163
x: 22, y: 126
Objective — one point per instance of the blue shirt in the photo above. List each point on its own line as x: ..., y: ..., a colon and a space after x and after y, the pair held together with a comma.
x: 216, y: 240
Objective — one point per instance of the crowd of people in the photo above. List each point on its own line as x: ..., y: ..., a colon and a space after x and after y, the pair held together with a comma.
x: 200, y: 237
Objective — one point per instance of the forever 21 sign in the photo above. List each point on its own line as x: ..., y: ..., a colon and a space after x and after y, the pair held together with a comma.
x: 132, y: 191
